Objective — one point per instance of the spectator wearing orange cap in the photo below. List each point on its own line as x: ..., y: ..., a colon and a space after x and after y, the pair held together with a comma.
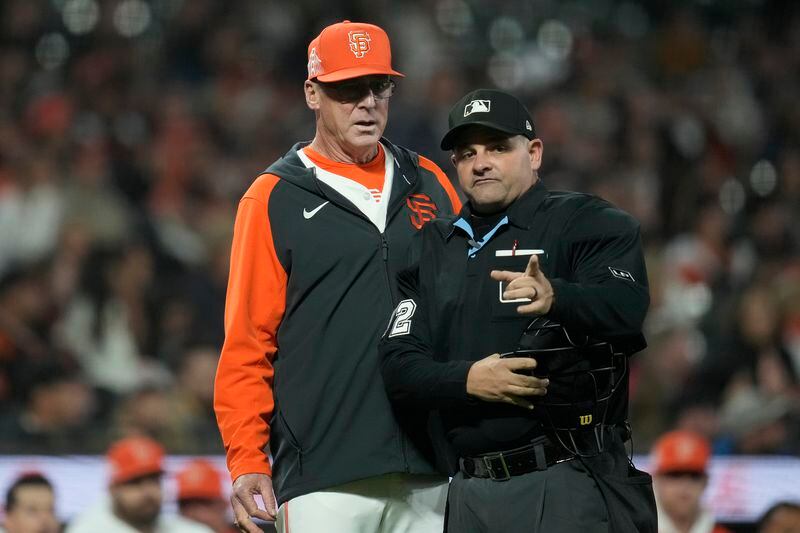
x: 680, y: 461
x: 30, y: 506
x: 200, y: 496
x: 136, y: 468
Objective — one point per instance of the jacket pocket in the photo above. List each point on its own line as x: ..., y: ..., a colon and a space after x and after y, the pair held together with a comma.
x: 503, y: 309
x: 285, y: 431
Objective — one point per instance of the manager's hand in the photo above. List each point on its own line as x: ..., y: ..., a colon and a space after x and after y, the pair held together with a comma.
x: 244, y: 502
x: 496, y: 379
x: 531, y: 284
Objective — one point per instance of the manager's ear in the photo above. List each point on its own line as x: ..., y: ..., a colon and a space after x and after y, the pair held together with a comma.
x: 312, y: 91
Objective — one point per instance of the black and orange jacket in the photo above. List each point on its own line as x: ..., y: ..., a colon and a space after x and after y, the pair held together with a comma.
x: 311, y: 289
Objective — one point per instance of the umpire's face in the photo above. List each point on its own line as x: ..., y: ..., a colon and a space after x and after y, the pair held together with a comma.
x: 494, y: 169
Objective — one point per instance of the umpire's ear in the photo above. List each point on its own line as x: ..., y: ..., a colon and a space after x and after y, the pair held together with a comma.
x: 312, y: 94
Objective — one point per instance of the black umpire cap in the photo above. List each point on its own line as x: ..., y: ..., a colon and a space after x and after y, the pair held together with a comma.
x: 490, y: 108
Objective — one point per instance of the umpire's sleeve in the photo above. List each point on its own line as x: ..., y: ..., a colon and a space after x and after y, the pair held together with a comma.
x: 607, y: 295
x: 410, y: 372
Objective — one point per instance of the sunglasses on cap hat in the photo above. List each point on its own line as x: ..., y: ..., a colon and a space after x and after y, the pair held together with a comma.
x: 354, y: 90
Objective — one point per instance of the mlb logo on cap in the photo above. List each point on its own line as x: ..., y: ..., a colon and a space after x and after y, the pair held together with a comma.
x: 477, y: 106
x: 314, y: 64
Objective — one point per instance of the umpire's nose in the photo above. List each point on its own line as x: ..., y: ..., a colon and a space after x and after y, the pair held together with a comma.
x: 481, y: 162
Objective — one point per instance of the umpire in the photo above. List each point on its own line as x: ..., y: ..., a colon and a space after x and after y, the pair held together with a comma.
x: 536, y: 276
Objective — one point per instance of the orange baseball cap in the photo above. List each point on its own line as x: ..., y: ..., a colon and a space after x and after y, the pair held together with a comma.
x: 199, y: 480
x: 134, y: 457
x: 681, y: 451
x: 348, y: 50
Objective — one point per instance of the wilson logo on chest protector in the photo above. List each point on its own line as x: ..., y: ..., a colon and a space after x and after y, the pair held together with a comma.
x: 422, y: 209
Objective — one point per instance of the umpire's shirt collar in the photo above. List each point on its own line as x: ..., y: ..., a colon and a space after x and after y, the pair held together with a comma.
x: 520, y: 213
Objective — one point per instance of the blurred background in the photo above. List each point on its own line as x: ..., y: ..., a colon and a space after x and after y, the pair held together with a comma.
x: 130, y: 128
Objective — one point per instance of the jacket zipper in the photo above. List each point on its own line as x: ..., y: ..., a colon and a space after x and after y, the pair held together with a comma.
x: 391, y: 212
x: 385, y: 250
x: 384, y: 244
x: 385, y: 255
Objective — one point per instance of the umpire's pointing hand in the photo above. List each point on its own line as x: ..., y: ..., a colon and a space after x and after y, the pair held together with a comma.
x: 495, y: 379
x: 244, y: 503
x: 531, y: 284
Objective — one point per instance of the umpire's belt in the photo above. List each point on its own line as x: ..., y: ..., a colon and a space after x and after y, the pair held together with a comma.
x: 502, y: 466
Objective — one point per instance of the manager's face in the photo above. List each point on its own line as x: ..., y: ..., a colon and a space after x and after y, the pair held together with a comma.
x: 352, y: 112
x: 494, y: 169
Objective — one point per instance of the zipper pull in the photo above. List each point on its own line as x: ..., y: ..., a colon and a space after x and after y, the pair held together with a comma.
x: 385, y: 248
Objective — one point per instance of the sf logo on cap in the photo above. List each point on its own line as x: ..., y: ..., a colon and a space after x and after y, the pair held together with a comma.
x: 359, y: 43
x: 477, y: 106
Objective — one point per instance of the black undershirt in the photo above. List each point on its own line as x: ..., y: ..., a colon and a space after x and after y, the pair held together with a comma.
x: 483, y: 225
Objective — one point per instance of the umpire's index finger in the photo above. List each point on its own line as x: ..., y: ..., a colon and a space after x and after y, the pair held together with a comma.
x: 532, y: 269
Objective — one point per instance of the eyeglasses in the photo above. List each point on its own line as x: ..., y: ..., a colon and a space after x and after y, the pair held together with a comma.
x: 356, y: 89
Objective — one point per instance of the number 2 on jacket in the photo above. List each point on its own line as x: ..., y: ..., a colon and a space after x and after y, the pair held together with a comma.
x: 402, y: 318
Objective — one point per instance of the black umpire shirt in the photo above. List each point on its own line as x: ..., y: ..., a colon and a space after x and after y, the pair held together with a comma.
x: 452, y: 313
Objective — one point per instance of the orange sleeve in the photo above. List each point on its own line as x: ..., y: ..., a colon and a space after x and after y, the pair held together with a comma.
x: 444, y: 181
x: 254, y: 307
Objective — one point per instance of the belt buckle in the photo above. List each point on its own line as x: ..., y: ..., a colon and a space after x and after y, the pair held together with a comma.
x: 487, y: 462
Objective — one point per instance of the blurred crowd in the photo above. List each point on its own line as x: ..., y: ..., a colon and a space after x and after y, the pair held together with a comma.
x: 130, y: 128
x: 134, y: 499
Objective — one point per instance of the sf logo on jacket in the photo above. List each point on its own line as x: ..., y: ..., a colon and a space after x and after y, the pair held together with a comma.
x: 422, y: 209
